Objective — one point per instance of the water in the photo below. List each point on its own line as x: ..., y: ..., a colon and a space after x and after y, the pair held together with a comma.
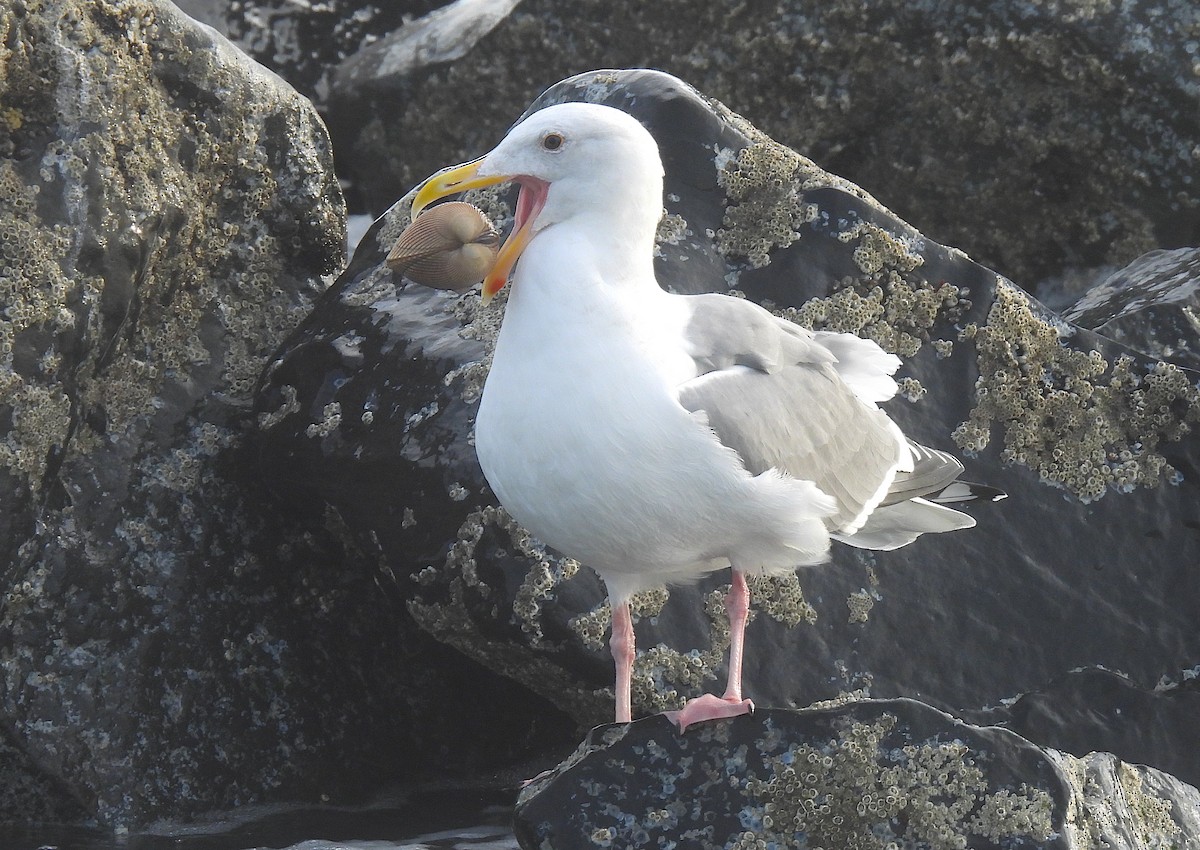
x: 420, y: 821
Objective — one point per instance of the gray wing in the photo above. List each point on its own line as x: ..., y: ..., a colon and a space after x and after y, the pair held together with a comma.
x: 771, y: 393
x: 932, y: 471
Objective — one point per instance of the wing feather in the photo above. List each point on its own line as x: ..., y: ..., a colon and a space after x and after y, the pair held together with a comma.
x: 774, y: 395
x: 932, y: 471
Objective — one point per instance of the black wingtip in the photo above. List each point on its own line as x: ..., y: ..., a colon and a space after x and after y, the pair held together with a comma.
x: 958, y: 492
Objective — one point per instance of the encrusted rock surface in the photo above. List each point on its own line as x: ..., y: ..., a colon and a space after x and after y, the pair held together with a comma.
x: 870, y: 774
x: 1036, y: 137
x: 172, y: 643
x: 1120, y: 806
x: 369, y: 408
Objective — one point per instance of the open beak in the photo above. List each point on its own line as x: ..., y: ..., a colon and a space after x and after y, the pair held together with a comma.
x: 460, y: 178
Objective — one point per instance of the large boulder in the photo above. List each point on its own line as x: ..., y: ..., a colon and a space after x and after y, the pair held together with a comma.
x: 1036, y: 137
x: 872, y: 774
x: 369, y: 408
x: 305, y: 42
x: 172, y: 643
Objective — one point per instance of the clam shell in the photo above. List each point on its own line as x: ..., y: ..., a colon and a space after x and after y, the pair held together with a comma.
x: 450, y: 246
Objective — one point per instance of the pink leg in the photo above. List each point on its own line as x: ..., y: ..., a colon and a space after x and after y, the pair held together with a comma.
x: 737, y: 605
x: 710, y: 706
x: 621, y: 644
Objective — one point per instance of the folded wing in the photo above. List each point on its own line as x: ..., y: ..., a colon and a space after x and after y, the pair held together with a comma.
x: 804, y: 403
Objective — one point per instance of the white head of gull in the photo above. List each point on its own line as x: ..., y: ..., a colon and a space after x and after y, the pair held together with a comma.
x: 658, y: 437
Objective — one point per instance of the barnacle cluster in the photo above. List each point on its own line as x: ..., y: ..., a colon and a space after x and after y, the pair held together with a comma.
x: 895, y: 309
x: 765, y: 211
x: 889, y: 302
x: 672, y: 229
x: 544, y: 575
x: 35, y: 400
x: 291, y: 404
x: 1083, y: 423
x: 331, y: 418
x: 860, y: 603
x: 1110, y: 797
x: 859, y: 791
x: 781, y: 598
x: 877, y: 249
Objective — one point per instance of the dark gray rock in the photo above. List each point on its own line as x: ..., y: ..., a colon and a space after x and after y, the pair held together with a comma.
x: 210, y: 12
x: 1098, y: 710
x: 172, y: 641
x: 858, y: 776
x: 305, y: 42
x: 1037, y: 138
x: 1152, y: 305
x: 369, y: 408
x: 869, y: 774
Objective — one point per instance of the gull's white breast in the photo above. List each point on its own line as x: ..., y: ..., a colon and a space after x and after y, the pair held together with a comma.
x: 582, y: 438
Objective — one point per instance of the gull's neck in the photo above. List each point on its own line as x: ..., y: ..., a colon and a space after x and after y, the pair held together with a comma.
x: 607, y: 236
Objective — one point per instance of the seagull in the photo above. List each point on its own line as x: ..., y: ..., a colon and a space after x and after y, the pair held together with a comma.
x: 658, y: 437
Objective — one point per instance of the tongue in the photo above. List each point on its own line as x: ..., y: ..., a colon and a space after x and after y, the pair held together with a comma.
x: 529, y: 203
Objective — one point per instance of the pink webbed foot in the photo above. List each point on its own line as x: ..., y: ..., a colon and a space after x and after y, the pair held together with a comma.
x: 708, y: 707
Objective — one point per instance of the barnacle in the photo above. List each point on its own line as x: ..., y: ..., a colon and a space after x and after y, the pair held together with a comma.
x: 1082, y: 422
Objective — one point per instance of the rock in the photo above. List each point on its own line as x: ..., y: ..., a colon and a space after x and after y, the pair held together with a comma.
x: 305, y: 42
x: 1097, y: 710
x: 871, y: 774
x: 173, y: 643
x: 212, y: 13
x: 441, y: 37
x: 1127, y: 806
x: 369, y: 408
x: 1036, y: 138
x: 1152, y: 305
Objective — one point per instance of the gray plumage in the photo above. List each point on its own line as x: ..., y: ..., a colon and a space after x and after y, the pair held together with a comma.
x: 803, y: 403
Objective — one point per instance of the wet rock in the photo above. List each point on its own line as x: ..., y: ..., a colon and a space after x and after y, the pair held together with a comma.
x: 1036, y: 138
x: 173, y: 643
x: 1152, y: 305
x: 369, y: 408
x: 157, y: 246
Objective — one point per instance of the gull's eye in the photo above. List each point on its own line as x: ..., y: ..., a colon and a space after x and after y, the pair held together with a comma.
x: 552, y: 141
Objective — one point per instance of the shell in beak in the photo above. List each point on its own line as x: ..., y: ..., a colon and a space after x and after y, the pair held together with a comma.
x: 460, y: 178
x: 452, y: 246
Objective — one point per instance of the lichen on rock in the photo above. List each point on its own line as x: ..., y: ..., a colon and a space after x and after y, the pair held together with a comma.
x: 168, y: 212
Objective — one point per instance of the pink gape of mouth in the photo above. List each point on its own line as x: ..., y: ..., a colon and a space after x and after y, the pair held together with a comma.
x: 530, y: 201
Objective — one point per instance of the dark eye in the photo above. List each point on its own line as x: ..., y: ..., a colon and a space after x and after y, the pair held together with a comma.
x: 552, y: 141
